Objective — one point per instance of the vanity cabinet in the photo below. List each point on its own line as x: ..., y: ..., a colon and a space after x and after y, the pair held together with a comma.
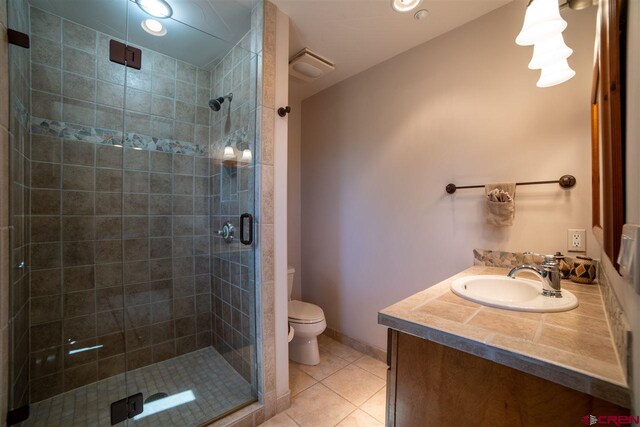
x: 429, y: 384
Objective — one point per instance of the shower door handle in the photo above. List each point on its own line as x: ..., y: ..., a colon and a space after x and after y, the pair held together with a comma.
x: 243, y: 217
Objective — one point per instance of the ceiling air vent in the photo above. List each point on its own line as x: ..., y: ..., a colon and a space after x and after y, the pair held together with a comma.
x: 308, y: 66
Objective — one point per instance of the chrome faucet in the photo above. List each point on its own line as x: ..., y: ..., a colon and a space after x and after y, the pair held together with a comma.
x: 548, y: 272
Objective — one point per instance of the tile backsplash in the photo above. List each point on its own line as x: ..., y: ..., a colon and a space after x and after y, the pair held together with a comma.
x: 505, y: 259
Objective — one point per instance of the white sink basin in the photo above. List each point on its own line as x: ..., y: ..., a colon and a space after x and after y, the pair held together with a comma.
x: 511, y: 294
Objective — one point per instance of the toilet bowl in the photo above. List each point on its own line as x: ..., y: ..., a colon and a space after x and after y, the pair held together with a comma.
x: 308, y: 322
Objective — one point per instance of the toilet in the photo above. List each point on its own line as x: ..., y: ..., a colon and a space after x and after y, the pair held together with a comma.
x: 307, y: 321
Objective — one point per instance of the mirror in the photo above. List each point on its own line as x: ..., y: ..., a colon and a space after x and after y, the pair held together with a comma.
x: 607, y: 126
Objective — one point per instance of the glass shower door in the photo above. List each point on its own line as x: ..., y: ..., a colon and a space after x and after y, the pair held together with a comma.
x: 188, y: 282
x: 132, y: 203
x: 68, y: 256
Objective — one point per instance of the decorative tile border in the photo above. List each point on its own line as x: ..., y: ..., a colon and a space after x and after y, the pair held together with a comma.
x: 114, y: 137
x: 503, y: 259
x: 620, y: 330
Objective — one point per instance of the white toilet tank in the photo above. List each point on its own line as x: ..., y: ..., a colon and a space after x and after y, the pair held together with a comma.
x: 290, y: 272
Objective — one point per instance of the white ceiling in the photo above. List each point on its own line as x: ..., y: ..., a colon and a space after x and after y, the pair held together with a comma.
x: 189, y: 32
x: 358, y: 34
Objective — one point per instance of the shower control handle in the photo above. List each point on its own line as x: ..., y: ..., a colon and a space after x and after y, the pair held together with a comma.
x: 248, y: 217
x: 227, y: 232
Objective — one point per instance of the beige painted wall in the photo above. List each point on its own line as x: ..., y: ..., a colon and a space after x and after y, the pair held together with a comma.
x: 294, y: 205
x: 379, y: 148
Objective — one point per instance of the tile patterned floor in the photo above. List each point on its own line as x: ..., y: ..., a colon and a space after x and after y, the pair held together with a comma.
x: 346, y: 389
x: 215, y: 385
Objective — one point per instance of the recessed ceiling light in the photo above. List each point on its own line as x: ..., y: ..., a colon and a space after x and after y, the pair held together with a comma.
x: 404, y: 5
x: 156, y: 8
x: 153, y: 27
x: 421, y: 14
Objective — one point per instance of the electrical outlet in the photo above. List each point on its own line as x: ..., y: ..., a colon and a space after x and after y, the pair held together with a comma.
x: 576, y: 240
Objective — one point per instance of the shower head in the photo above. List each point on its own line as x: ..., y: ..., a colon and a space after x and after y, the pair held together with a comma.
x: 216, y: 103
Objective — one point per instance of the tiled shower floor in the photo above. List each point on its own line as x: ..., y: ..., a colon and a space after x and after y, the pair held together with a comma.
x: 201, y: 385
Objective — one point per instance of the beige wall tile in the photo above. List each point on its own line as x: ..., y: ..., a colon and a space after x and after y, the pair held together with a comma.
x: 266, y: 252
x: 268, y: 79
x: 46, y: 25
x: 268, y: 55
x: 3, y: 15
x: 267, y: 194
x: 267, y: 116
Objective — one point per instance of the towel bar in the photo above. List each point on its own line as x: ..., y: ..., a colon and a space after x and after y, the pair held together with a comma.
x: 565, y: 181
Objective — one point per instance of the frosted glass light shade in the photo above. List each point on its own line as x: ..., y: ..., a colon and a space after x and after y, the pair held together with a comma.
x: 555, y: 74
x: 541, y: 21
x: 549, y: 51
x: 246, y: 156
x: 229, y: 154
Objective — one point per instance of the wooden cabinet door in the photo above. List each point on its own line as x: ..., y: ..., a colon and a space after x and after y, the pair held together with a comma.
x: 435, y: 385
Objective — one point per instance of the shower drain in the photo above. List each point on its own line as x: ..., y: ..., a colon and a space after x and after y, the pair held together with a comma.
x: 156, y: 396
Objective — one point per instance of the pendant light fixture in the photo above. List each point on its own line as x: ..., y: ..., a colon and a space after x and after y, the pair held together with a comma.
x: 542, y: 28
x: 541, y: 21
x: 549, y: 51
x: 556, y: 73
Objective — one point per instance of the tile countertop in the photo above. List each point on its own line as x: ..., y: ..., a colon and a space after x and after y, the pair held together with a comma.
x: 572, y: 348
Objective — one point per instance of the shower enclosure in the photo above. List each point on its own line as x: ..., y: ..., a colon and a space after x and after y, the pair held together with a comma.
x: 133, y: 289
